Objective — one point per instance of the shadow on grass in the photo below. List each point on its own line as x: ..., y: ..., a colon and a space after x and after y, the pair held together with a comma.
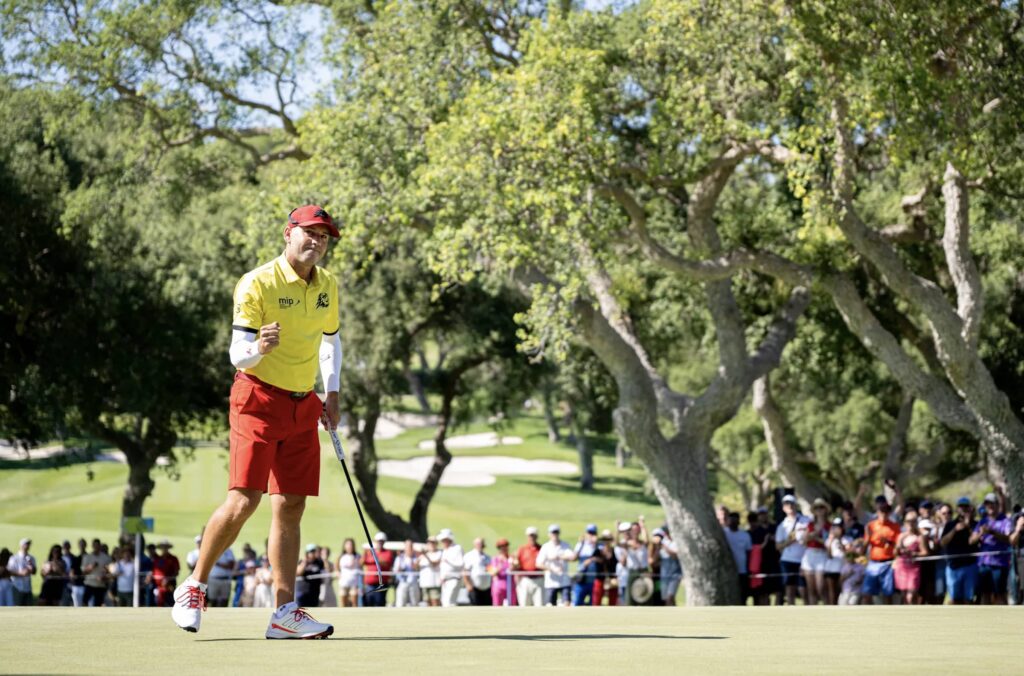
x: 631, y: 491
x: 505, y: 637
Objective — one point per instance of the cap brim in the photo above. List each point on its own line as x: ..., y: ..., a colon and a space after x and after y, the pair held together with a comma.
x: 331, y: 228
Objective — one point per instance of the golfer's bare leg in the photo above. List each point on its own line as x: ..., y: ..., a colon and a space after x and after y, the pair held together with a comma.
x: 283, y: 549
x: 223, y: 528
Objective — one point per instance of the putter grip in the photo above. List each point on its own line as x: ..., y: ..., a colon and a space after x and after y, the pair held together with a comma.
x: 338, y: 450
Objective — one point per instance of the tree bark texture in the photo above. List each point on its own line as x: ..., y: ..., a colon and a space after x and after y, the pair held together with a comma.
x: 585, y: 451
x: 677, y: 465
x: 954, y: 330
x: 782, y: 455
x: 150, y: 439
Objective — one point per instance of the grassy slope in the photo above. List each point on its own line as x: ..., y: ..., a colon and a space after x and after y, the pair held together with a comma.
x: 595, y: 640
x: 50, y: 505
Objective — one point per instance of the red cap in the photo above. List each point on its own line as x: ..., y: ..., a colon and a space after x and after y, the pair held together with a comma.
x: 310, y: 215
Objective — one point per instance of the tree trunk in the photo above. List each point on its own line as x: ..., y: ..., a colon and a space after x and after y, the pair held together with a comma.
x: 415, y: 381
x: 442, y: 457
x: 363, y: 455
x: 783, y: 458
x: 585, y: 451
x: 140, y: 483
x: 549, y: 414
x: 895, y: 467
x: 621, y: 454
x: 149, y: 439
x: 710, y: 576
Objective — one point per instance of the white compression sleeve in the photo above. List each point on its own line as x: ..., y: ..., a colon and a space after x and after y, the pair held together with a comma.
x: 330, y: 362
x: 244, y: 351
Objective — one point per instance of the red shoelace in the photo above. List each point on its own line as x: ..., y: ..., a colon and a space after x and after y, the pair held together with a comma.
x: 299, y: 614
x: 196, y: 598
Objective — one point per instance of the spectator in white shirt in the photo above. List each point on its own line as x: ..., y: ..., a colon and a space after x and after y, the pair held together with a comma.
x: 125, y: 571
x: 219, y: 584
x: 349, y: 567
x: 790, y: 538
x: 476, y: 574
x: 430, y: 573
x: 407, y: 575
x: 553, y: 559
x: 22, y: 566
x: 740, y: 544
x: 451, y: 567
x: 193, y: 556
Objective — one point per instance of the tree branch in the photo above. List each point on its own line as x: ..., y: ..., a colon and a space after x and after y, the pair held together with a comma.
x: 957, y: 246
x: 782, y: 455
x: 782, y: 330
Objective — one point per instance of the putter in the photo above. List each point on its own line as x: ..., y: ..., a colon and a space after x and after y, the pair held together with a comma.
x: 340, y: 452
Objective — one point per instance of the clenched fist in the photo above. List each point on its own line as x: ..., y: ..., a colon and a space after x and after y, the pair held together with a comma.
x: 270, y: 337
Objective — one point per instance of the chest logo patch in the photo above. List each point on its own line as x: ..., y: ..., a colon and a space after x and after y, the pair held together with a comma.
x: 322, y: 301
x: 285, y: 303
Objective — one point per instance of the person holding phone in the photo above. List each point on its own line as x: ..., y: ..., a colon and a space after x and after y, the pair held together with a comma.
x: 962, y: 565
x: 992, y: 535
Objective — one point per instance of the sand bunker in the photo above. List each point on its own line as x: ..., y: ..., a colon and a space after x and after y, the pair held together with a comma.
x: 474, y: 470
x: 482, y: 440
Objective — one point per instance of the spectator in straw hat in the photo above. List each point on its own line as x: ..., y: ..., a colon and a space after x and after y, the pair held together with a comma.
x: 429, y: 564
x: 528, y: 585
x: 816, y: 555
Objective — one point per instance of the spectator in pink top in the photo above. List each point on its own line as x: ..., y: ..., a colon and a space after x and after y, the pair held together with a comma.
x: 907, y: 569
x: 502, y: 588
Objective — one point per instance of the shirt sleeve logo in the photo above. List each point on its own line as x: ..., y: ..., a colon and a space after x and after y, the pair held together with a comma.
x: 322, y: 301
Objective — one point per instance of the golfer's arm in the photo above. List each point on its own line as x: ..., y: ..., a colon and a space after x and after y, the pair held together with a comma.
x: 244, y: 350
x: 330, y: 362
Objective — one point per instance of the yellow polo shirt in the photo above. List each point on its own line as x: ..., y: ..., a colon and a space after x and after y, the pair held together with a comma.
x: 306, y: 312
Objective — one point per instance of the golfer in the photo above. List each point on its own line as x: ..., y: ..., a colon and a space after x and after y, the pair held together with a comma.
x: 285, y: 324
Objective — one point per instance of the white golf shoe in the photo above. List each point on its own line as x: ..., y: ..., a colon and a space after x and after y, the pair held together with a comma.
x: 290, y: 621
x: 189, y: 604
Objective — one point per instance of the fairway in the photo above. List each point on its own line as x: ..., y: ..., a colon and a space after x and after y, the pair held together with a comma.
x: 960, y: 640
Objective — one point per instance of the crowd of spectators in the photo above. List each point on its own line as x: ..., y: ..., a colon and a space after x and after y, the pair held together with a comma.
x: 915, y: 552
x: 912, y: 552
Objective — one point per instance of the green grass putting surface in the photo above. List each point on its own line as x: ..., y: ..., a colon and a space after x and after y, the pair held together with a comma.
x: 889, y: 640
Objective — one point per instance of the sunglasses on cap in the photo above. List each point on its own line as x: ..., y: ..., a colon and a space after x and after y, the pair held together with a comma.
x: 319, y: 213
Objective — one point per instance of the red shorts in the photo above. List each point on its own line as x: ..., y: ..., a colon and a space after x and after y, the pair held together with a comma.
x: 273, y: 437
